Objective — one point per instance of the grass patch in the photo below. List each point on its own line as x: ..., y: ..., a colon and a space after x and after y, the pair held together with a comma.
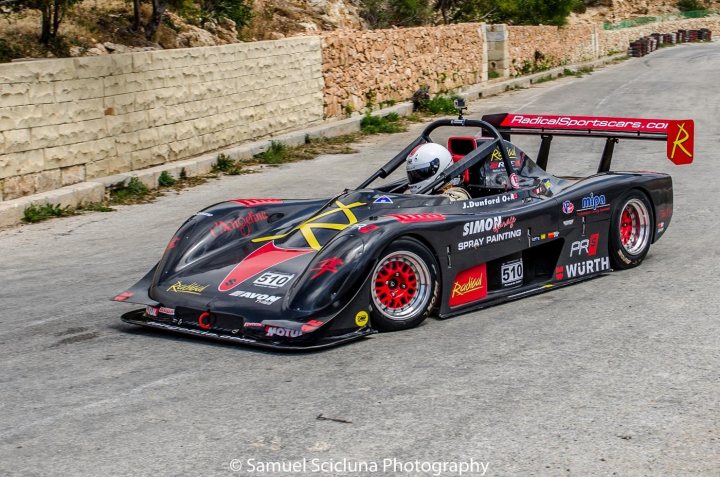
x: 227, y: 166
x: 135, y: 192
x: 492, y: 74
x: 166, y: 179
x: 277, y: 153
x: 382, y: 124
x: 39, y: 213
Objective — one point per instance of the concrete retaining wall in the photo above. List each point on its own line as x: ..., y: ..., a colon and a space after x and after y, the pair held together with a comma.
x: 69, y: 120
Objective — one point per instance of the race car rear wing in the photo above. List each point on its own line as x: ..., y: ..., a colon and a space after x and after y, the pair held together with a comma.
x: 678, y: 134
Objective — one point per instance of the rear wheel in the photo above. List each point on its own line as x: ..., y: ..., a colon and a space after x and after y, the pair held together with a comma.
x: 404, y: 286
x: 631, y: 230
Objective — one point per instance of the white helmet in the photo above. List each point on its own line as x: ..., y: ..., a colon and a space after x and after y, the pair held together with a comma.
x: 425, y: 163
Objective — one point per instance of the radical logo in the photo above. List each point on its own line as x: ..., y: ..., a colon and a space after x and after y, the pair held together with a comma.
x: 469, y: 286
x: 680, y: 150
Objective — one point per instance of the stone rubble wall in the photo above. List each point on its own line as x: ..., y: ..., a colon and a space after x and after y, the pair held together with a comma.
x: 70, y: 120
x: 373, y: 67
x: 617, y: 41
x: 532, y: 48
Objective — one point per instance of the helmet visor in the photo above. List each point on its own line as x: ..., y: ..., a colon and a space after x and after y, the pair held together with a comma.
x: 423, y: 173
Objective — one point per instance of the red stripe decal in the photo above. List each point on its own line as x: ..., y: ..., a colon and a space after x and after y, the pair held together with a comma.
x: 258, y: 261
x: 256, y: 202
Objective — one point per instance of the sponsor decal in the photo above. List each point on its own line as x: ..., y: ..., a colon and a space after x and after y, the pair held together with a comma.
x: 587, y: 267
x: 253, y: 325
x: 262, y: 298
x: 206, y: 214
x: 514, y: 181
x: 191, y: 288
x: 308, y: 227
x: 469, y: 286
x: 568, y: 207
x: 258, y: 261
x: 282, y: 332
x: 273, y: 279
x: 497, y: 200
x: 329, y: 265
x: 559, y: 273
x: 680, y: 147
x: 166, y: 311
x: 586, y: 246
x: 491, y: 224
x: 367, y: 228
x: 547, y: 236
x: 241, y: 224
x: 256, y: 202
x: 383, y: 199
x: 124, y: 296
x: 593, y: 204
x: 205, y: 321
x: 660, y: 226
x: 412, y: 218
x: 665, y: 213
x: 568, y: 222
x: 361, y: 319
x: 311, y: 326
x: 172, y: 244
x: 511, y: 273
x: 494, y: 225
x: 587, y: 122
x: 151, y: 311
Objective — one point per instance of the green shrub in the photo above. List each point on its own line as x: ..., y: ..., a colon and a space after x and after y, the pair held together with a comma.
x: 440, y: 104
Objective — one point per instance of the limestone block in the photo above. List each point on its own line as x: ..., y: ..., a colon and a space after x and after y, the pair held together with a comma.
x: 120, y: 104
x: 62, y: 134
x: 19, y: 117
x: 19, y: 163
x: 107, y: 167
x: 72, y: 174
x: 80, y: 153
x: 14, y: 94
x: 47, y: 180
x: 11, y: 213
x: 73, y: 111
x: 41, y: 92
x: 18, y: 186
x: 149, y: 157
x: 54, y: 70
x: 20, y: 72
x: 124, y: 123
x: 78, y: 89
x: 16, y: 140
x: 136, y: 140
x: 94, y: 67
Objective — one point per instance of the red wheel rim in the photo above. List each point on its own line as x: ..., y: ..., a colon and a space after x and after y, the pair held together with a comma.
x: 635, y: 227
x: 395, y: 284
x: 627, y: 227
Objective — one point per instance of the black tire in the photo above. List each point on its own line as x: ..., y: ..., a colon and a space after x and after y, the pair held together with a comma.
x: 631, y: 230
x: 403, y: 286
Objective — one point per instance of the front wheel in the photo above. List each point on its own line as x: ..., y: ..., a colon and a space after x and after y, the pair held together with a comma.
x: 404, y: 286
x: 631, y: 230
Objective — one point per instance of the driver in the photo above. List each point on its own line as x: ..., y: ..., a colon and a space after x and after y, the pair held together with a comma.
x: 423, y: 166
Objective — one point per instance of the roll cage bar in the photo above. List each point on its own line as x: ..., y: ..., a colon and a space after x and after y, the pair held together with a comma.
x: 470, y: 160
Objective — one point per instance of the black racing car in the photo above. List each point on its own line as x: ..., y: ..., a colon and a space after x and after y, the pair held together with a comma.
x: 303, y: 274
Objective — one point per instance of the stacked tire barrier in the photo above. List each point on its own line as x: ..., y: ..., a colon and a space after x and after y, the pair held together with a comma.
x: 648, y: 44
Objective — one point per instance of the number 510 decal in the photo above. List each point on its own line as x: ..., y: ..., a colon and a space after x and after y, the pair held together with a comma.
x: 511, y: 273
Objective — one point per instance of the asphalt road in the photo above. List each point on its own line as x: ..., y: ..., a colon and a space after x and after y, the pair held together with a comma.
x: 616, y: 376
